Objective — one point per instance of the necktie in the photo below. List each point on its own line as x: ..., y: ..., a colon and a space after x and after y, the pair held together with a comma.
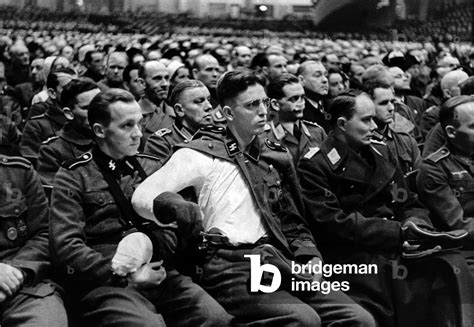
x: 297, y: 131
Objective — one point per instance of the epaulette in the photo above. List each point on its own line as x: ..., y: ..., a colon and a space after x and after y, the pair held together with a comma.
x: 146, y: 155
x: 38, y: 116
x: 312, y: 123
x: 210, y: 130
x: 50, y: 139
x: 162, y: 132
x: 14, y: 161
x: 438, y: 155
x: 275, y: 145
x: 73, y: 163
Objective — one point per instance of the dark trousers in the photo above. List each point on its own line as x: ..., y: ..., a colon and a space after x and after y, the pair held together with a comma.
x: 177, y: 301
x: 40, y: 306
x: 226, y: 275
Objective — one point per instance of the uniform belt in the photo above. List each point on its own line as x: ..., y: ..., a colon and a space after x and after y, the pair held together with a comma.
x: 214, y: 240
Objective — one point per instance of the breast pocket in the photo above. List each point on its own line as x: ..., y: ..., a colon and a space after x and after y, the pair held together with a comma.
x: 101, y: 212
x: 12, y: 220
x: 273, y: 193
x: 463, y: 189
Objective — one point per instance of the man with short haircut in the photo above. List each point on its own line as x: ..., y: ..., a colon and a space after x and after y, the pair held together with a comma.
x: 247, y: 191
x: 288, y: 127
x: 275, y: 68
x: 94, y: 62
x: 157, y: 114
x: 241, y: 57
x: 314, y: 78
x: 206, y: 70
x: 75, y: 137
x: 446, y: 177
x: 402, y: 145
x: 191, y: 103
x: 116, y: 63
x: 90, y: 215
x: 42, y: 126
x: 26, y: 91
x: 362, y: 212
x: 131, y: 81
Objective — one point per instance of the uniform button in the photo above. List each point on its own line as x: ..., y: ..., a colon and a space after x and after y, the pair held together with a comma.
x: 461, y: 189
x: 186, y: 141
x: 270, y: 167
x: 211, y: 145
x: 4, y: 160
x: 278, y: 183
x: 17, y: 210
x: 101, y: 200
x: 246, y: 161
x: 351, y: 187
x: 12, y: 233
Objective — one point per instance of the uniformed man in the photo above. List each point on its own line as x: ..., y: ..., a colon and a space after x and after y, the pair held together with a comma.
x: 446, y: 177
x: 401, y: 144
x: 113, y: 78
x: 314, y: 78
x: 362, y: 212
x: 75, y: 137
x: 156, y: 113
x: 288, y: 127
x: 27, y: 297
x: 41, y: 127
x: 91, y: 213
x: 192, y: 104
x: 247, y: 190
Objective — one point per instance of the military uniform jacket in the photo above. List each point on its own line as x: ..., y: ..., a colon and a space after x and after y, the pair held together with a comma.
x: 312, y: 135
x: 315, y: 111
x: 40, y: 128
x: 271, y: 177
x: 155, y: 118
x: 446, y: 187
x: 161, y: 143
x: 353, y: 205
x: 69, y: 144
x: 403, y: 146
x: 23, y: 219
x: 86, y: 224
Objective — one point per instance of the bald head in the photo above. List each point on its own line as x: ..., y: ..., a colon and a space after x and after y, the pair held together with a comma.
x: 157, y: 80
x: 242, y: 56
x: 116, y: 63
x: 450, y: 83
x: 20, y: 52
x: 206, y: 69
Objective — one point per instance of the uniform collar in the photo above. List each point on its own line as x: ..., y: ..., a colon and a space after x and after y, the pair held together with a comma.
x: 118, y: 168
x: 252, y: 150
x: 182, y: 131
x: 72, y: 135
x: 54, y: 112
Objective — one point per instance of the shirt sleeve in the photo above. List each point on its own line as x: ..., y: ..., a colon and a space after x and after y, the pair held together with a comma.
x: 185, y: 168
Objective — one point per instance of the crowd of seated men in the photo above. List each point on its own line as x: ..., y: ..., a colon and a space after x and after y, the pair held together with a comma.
x: 126, y: 157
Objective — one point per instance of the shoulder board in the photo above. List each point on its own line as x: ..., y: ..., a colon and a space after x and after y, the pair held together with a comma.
x: 162, y: 132
x: 274, y: 145
x: 377, y: 142
x: 71, y: 164
x: 148, y: 156
x: 439, y: 154
x: 14, y: 161
x: 431, y: 109
x: 311, y: 152
x: 311, y: 123
x: 38, y: 116
x: 50, y: 139
x: 213, y: 129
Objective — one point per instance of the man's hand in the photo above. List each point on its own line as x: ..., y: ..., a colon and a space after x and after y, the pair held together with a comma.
x: 313, y: 261
x: 11, y: 279
x: 147, y: 276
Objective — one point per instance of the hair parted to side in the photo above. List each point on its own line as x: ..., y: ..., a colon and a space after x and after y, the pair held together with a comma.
x: 343, y: 105
x: 99, y: 108
x: 175, y: 95
x: 275, y: 89
x: 447, y: 114
x: 75, y: 87
x: 231, y: 84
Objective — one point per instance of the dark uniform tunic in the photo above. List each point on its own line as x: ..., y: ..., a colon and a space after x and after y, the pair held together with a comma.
x: 40, y: 128
x: 356, y: 203
x: 67, y: 145
x: 311, y: 135
x: 446, y: 187
x: 87, y: 226
x: 24, y: 245
x: 161, y: 143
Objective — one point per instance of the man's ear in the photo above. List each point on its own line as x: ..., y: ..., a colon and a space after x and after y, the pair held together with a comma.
x: 450, y: 131
x: 178, y: 109
x: 301, y: 79
x: 98, y: 130
x: 446, y: 93
x: 141, y: 81
x: 52, y: 93
x: 275, y: 105
x: 195, y: 72
x: 265, y: 70
x: 68, y: 113
x: 228, y: 113
x: 341, y: 123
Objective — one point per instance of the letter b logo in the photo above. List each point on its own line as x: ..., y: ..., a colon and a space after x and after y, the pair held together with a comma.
x: 256, y: 274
